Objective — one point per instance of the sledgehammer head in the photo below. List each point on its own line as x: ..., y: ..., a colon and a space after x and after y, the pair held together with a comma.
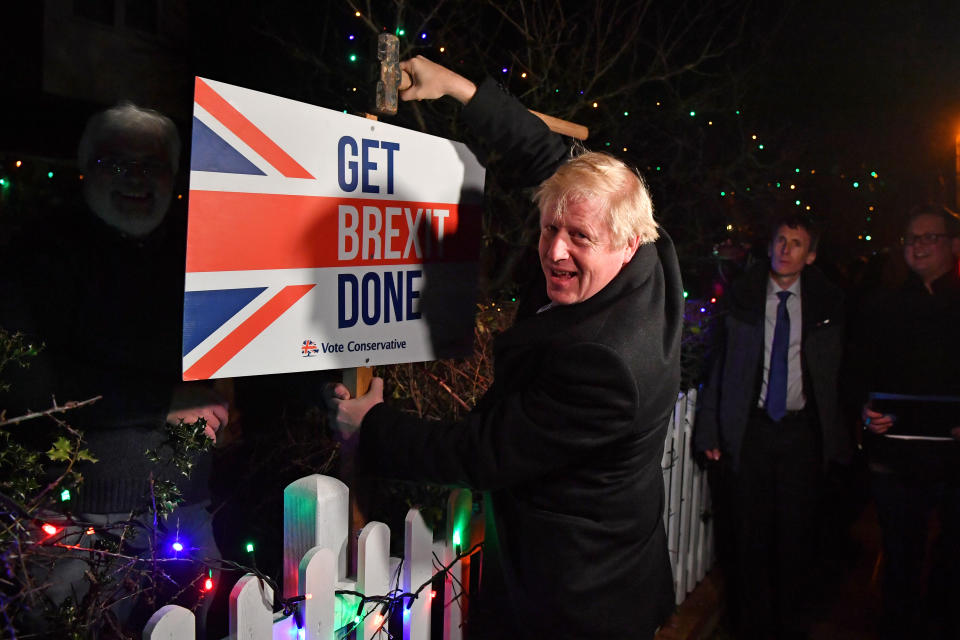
x: 388, y: 52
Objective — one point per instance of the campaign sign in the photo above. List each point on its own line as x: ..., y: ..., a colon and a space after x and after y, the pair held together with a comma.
x: 321, y: 240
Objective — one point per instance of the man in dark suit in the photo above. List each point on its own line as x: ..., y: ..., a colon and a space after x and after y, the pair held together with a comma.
x: 909, y: 344
x: 568, y: 440
x: 770, y: 415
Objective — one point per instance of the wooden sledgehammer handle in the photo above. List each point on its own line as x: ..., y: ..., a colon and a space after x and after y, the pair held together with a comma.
x: 563, y: 127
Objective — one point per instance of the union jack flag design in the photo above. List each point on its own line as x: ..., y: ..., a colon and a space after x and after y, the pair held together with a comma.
x: 309, y: 348
x: 272, y: 184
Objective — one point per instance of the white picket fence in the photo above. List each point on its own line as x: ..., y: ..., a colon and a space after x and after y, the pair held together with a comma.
x: 690, y: 537
x: 315, y: 533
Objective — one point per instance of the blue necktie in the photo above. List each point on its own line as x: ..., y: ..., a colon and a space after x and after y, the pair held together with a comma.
x: 777, y: 378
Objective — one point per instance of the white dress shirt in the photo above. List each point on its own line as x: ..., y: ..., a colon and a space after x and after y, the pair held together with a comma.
x: 795, y: 398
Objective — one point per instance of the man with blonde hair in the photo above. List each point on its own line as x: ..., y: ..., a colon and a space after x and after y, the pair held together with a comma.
x: 628, y: 209
x: 569, y: 438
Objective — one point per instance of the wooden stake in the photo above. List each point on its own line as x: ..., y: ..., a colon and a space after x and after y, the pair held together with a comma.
x: 357, y: 380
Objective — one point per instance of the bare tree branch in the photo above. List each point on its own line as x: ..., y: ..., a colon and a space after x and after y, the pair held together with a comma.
x: 51, y: 411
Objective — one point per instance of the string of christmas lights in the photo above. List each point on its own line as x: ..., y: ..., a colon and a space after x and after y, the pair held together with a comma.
x: 384, y: 605
x: 509, y: 71
x: 396, y: 598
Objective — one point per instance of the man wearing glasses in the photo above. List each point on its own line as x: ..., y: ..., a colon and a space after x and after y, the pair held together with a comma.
x: 911, y: 345
x: 102, y: 286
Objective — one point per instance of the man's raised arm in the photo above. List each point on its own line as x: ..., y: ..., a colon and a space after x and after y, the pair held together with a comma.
x: 430, y: 81
x: 528, y: 152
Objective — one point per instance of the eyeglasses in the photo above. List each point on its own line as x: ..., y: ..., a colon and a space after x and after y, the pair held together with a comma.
x: 136, y: 168
x: 922, y: 238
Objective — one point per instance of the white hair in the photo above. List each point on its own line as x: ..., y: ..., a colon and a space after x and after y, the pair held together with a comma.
x: 127, y: 117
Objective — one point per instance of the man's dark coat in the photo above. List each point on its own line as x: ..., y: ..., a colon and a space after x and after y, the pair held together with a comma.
x: 568, y: 440
x: 734, y: 386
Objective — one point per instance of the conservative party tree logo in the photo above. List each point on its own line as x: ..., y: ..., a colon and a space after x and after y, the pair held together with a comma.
x: 309, y: 348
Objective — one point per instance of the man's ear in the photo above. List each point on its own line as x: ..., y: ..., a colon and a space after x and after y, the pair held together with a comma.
x: 955, y: 245
x: 811, y: 257
x: 630, y: 249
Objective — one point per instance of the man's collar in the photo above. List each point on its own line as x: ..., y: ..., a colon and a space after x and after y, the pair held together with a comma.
x: 773, y: 288
x: 946, y: 282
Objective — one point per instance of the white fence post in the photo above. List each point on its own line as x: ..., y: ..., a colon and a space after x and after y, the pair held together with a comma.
x: 685, y: 477
x: 171, y: 622
x: 373, y: 571
x: 666, y: 464
x: 251, y: 609
x: 676, y: 489
x: 690, y: 510
x: 417, y: 569
x: 315, y: 514
x: 317, y: 576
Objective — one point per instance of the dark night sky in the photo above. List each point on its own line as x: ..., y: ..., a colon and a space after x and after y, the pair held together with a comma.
x: 869, y: 82
x: 846, y: 85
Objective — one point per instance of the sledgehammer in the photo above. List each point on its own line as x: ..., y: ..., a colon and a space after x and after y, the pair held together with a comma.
x: 393, y: 79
